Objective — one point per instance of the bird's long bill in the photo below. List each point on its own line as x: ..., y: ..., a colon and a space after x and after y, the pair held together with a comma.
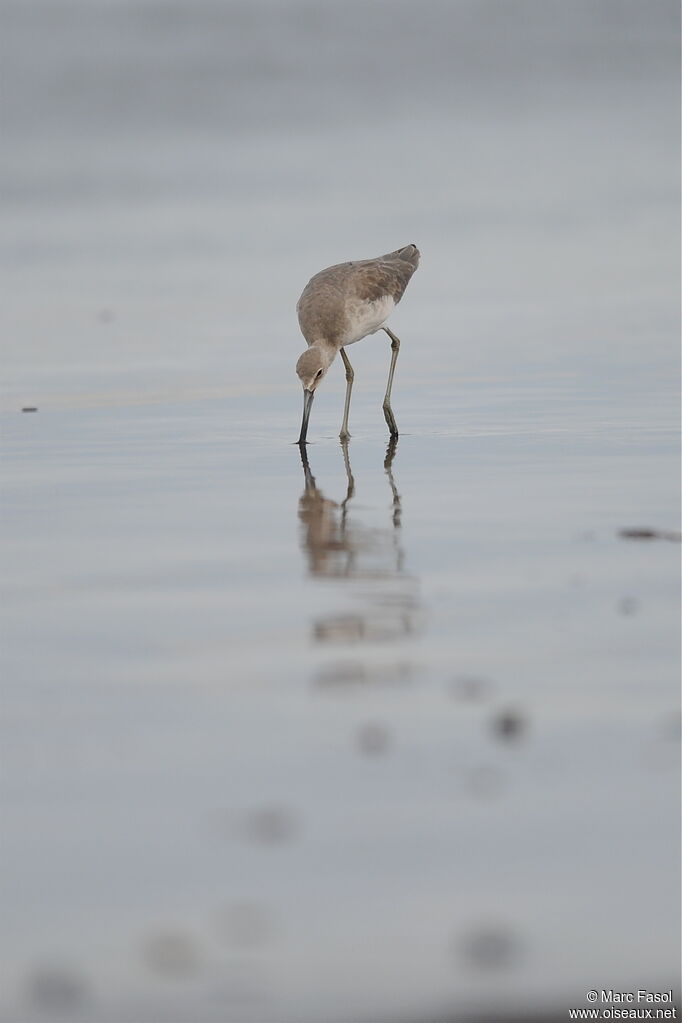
x: 307, y: 405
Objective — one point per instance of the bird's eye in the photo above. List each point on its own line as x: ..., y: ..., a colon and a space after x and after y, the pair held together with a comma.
x: 318, y: 374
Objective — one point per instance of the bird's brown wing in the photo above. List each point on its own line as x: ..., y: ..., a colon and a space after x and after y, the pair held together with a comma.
x: 321, y: 305
x: 381, y: 279
x: 386, y: 275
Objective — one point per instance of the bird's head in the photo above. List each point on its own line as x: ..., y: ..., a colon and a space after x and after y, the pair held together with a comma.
x: 310, y: 368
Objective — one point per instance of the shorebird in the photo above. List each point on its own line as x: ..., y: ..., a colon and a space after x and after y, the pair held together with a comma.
x: 341, y: 305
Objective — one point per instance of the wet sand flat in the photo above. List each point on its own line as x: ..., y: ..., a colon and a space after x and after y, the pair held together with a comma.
x: 380, y: 735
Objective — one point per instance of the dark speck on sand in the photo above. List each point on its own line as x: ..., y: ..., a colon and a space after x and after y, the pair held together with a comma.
x: 645, y: 533
x: 509, y: 725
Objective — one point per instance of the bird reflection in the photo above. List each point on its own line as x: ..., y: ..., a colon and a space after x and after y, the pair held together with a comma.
x: 338, y: 546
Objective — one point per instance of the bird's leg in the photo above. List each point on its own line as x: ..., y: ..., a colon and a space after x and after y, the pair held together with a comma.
x: 388, y: 411
x: 344, y: 435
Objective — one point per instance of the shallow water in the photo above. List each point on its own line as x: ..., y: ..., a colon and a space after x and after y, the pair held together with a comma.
x: 393, y: 735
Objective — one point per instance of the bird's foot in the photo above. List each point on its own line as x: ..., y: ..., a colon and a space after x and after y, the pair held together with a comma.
x: 390, y: 421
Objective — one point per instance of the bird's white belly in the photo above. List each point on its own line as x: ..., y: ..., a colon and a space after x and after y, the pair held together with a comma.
x: 366, y: 317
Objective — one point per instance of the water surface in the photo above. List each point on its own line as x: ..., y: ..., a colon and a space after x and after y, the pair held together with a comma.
x: 393, y: 734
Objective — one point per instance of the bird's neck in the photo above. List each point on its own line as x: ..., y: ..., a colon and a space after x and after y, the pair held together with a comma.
x: 327, y: 351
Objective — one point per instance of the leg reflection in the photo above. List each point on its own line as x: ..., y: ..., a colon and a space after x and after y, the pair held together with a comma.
x: 341, y: 547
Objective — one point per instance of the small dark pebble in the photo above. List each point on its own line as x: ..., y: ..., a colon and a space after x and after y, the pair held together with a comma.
x: 645, y: 533
x: 509, y: 725
x: 628, y: 606
x: 56, y: 990
x: 490, y: 949
x: 29, y: 408
x: 373, y: 738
